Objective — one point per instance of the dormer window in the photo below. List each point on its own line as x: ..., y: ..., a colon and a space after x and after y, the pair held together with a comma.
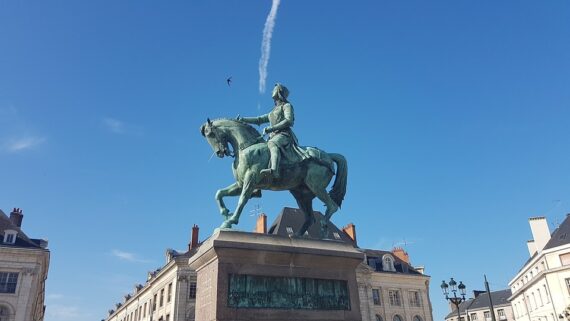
x: 388, y: 263
x: 10, y: 236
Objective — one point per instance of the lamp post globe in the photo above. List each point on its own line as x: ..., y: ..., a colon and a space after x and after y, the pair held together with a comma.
x: 454, y: 299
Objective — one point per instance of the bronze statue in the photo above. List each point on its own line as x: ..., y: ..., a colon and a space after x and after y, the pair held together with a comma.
x: 304, y: 171
x: 282, y: 140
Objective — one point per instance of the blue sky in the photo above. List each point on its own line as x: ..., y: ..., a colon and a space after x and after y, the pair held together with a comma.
x: 453, y: 116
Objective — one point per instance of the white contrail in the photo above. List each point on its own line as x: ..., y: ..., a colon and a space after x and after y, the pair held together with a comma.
x: 266, y: 44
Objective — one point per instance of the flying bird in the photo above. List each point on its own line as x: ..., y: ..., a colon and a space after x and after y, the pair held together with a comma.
x: 229, y: 81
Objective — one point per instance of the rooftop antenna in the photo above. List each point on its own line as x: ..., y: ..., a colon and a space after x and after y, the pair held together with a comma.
x: 402, y: 243
x: 256, y: 211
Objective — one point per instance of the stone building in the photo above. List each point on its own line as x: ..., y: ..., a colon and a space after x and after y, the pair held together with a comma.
x: 478, y: 308
x: 168, y: 294
x: 24, y: 264
x: 389, y: 288
x: 541, y: 288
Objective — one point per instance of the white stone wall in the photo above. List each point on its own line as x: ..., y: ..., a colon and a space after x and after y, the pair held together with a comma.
x: 32, y: 267
x: 540, y: 292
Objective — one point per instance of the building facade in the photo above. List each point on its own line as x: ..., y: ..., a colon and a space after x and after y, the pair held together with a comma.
x: 390, y: 289
x: 168, y: 294
x: 541, y: 289
x: 24, y: 264
x: 478, y: 308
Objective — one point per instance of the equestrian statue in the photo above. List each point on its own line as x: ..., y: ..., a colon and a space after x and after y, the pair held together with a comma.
x: 277, y: 164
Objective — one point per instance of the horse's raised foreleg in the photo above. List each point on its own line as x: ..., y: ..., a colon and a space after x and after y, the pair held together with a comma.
x: 232, y: 190
x: 246, y: 190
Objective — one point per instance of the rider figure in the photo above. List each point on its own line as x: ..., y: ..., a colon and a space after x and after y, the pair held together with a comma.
x: 281, y: 136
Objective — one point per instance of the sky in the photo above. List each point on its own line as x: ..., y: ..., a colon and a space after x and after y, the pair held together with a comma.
x: 453, y: 116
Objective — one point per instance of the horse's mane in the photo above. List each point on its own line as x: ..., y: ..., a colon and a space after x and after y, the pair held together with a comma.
x: 228, y: 122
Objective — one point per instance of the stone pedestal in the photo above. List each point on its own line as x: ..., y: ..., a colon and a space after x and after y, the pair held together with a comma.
x: 251, y: 276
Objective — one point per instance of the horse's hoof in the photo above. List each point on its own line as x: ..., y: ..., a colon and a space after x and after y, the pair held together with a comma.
x: 226, y: 224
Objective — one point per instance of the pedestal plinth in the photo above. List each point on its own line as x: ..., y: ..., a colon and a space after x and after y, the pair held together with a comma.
x: 251, y: 276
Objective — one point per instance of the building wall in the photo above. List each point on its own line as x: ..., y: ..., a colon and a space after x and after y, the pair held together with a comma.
x: 369, y: 279
x: 145, y: 303
x: 31, y: 264
x: 540, y: 290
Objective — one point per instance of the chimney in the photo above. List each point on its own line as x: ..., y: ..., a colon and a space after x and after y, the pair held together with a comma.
x: 16, y: 217
x: 350, y: 230
x: 540, y: 231
x: 401, y: 254
x: 261, y: 224
x: 194, y: 241
x: 477, y: 293
x: 531, y: 247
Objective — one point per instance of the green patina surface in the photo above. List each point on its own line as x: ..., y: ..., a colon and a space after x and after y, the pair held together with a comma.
x: 278, y: 164
x: 254, y: 291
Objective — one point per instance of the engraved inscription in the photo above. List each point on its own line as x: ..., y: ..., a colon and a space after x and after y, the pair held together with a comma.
x: 254, y: 291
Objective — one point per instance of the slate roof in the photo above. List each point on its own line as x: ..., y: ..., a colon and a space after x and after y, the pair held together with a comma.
x: 22, y: 240
x: 399, y: 264
x: 499, y: 298
x: 561, y: 235
x: 294, y: 218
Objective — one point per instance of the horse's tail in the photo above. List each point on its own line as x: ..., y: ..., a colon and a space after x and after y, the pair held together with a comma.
x: 339, y: 187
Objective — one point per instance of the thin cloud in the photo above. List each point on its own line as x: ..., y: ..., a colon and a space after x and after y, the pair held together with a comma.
x: 54, y: 296
x: 23, y: 143
x: 63, y: 312
x: 114, y: 125
x: 127, y: 256
x: 266, y: 44
x: 119, y: 127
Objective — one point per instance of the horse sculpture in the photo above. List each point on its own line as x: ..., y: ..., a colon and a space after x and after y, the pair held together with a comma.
x: 305, y: 180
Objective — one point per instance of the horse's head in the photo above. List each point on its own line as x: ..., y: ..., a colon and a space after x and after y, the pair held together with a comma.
x: 216, y: 138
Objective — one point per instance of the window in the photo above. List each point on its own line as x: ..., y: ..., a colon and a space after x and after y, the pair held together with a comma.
x: 417, y: 318
x: 487, y: 315
x: 168, y: 317
x: 388, y: 263
x: 394, y: 296
x: 379, y: 317
x: 539, y: 297
x: 169, y: 293
x: 415, y: 298
x: 154, y: 303
x: 161, y: 297
x: 144, y: 310
x: 10, y: 236
x: 8, y: 282
x: 397, y: 318
x: 192, y: 292
x: 501, y: 314
x: 376, y: 296
x: 546, y: 294
x: 529, y: 303
x: 473, y: 316
x: 4, y: 313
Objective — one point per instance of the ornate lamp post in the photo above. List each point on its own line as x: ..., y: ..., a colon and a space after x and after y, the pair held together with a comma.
x: 456, y: 300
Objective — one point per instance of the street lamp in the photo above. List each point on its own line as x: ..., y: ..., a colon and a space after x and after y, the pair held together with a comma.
x: 455, y: 300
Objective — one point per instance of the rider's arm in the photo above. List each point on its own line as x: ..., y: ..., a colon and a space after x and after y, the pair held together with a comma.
x: 256, y: 120
x: 288, y: 119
